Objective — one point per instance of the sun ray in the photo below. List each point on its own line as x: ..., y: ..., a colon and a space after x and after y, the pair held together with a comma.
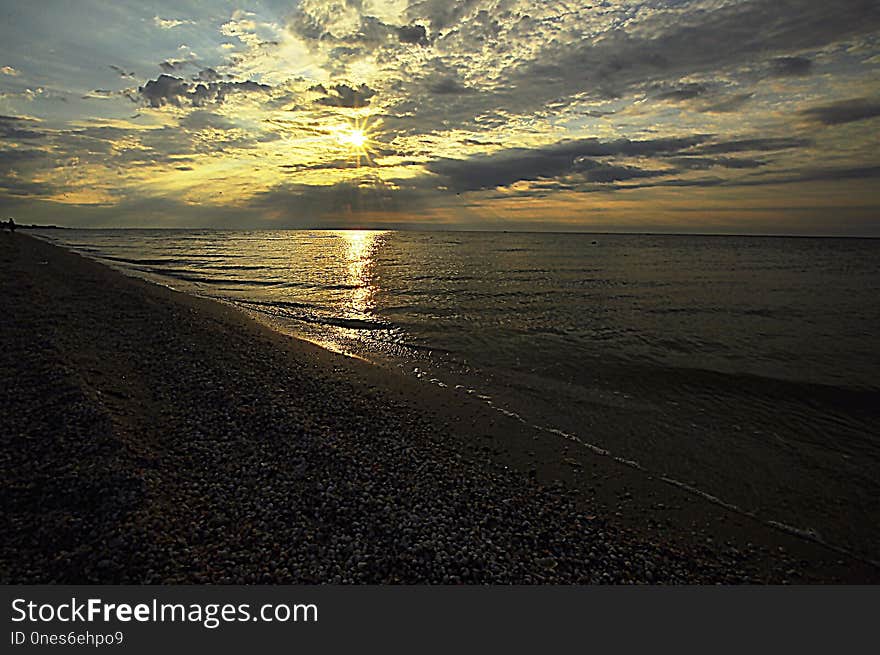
x: 356, y: 137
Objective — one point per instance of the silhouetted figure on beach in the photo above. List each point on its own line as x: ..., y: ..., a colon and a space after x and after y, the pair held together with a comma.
x: 11, y: 225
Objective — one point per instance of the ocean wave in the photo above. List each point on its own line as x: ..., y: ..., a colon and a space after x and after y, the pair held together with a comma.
x: 276, y: 303
x: 217, y: 281
x: 318, y: 319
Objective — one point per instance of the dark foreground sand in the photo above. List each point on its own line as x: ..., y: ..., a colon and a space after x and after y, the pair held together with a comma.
x: 150, y: 437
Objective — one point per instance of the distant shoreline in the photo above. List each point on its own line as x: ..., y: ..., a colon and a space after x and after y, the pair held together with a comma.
x: 207, y: 448
x: 43, y: 227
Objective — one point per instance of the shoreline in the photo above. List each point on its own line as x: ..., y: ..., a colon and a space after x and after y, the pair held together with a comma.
x: 159, y: 439
x: 551, y: 432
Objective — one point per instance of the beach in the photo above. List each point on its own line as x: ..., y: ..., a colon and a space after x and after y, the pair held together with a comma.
x: 155, y: 437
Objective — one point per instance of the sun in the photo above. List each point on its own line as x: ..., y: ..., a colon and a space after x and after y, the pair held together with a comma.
x: 354, y: 138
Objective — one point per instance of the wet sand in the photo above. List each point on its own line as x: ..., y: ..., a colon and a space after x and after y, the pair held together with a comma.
x: 150, y: 436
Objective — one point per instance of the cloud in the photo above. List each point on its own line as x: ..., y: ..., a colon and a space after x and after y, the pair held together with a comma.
x: 791, y: 66
x: 16, y: 156
x: 834, y: 174
x: 17, y: 127
x: 413, y: 34
x: 173, y: 65
x: 350, y: 26
x: 506, y: 167
x: 728, y: 104
x: 669, y: 45
x: 594, y: 171
x: 705, y: 163
x: 208, y: 75
x: 798, y: 176
x: 321, y: 166
x: 201, y: 119
x: 343, y: 95
x: 448, y: 86
x: 441, y: 13
x: 100, y: 94
x: 843, y: 111
x: 684, y: 92
x: 168, y: 90
x: 164, y: 90
x: 170, y: 23
x: 572, y: 164
x: 766, y: 144
x: 122, y: 72
x: 523, y: 57
x: 526, y: 58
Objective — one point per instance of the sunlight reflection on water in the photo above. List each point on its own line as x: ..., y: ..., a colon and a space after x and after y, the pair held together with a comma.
x: 360, y: 249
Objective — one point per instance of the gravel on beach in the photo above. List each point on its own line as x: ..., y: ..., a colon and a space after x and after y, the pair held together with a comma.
x: 152, y: 437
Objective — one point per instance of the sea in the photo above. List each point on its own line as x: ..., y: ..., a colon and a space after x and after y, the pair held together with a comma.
x: 745, y: 369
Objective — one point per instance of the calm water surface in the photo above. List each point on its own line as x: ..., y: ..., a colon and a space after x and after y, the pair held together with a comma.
x: 746, y: 367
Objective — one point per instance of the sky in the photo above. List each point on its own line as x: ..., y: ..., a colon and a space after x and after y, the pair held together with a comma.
x: 732, y: 116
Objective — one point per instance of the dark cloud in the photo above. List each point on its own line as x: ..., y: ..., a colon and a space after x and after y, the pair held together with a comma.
x: 168, y: 90
x: 844, y: 111
x: 122, y: 72
x: 14, y: 166
x: 625, y: 147
x: 17, y: 156
x: 728, y: 104
x: 790, y: 66
x: 164, y: 90
x: 448, y: 86
x: 568, y: 157
x: 323, y: 166
x: 442, y: 78
x: 768, y: 144
x: 208, y: 75
x: 16, y: 127
x: 174, y: 65
x: 594, y: 171
x: 794, y: 177
x: 307, y: 26
x: 343, y: 95
x: 594, y: 161
x: 440, y: 13
x: 18, y: 188
x: 413, y: 34
x: 684, y: 92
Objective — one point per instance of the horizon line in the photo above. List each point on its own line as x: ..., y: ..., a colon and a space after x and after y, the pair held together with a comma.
x: 34, y: 226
